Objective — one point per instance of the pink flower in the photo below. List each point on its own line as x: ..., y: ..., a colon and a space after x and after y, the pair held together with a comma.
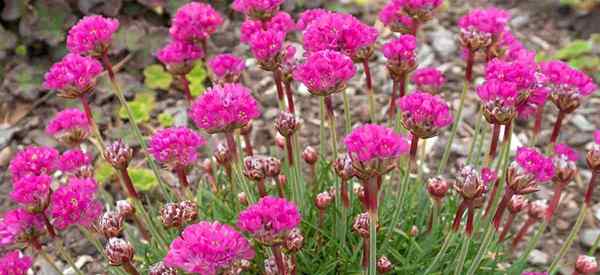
x: 424, y: 114
x: 91, y: 35
x: 499, y: 99
x: 374, y: 142
x: 208, y: 248
x: 563, y: 150
x: 567, y: 81
x: 586, y: 265
x: 178, y: 52
x: 522, y: 72
x: 33, y: 161
x: 194, y: 22
x: 308, y: 16
x: 75, y: 203
x: 421, y: 4
x: 73, y: 74
x: 227, y: 67
x: 266, y: 45
x: 224, y: 108
x: 428, y: 79
x: 15, y: 263
x: 491, y: 21
x: 270, y: 219
x: 18, y: 225
x: 325, y: 72
x: 393, y: 16
x: 32, y: 192
x: 401, y: 49
x: 68, y: 120
x: 597, y: 136
x: 257, y: 9
x: 176, y: 148
x: 535, y: 164
x: 281, y: 22
x: 72, y: 160
x: 488, y: 175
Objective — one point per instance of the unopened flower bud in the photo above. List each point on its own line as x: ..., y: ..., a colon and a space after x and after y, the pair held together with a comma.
x: 414, y: 231
x: 111, y: 224
x: 118, y: 251
x: 537, y: 209
x: 323, y: 200
x: 286, y: 124
x: 124, y: 208
x: 310, y: 155
x: 470, y: 185
x: 359, y: 191
x: 189, y: 211
x: 361, y: 225
x: 118, y: 154
x: 280, y: 141
x: 384, y: 265
x: 343, y: 167
x: 242, y: 198
x: 272, y: 167
x: 222, y: 154
x: 85, y: 172
x: 586, y: 265
x: 294, y: 240
x: 171, y: 215
x: 517, y: 204
x: 254, y: 168
x: 593, y: 158
x: 161, y: 269
x: 437, y: 188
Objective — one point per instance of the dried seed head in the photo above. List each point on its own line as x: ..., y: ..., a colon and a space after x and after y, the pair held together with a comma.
x: 361, y: 225
x: 343, y: 167
x: 586, y: 265
x: 310, y: 155
x: 111, y: 224
x: 124, y: 208
x: 517, y: 204
x: 437, y: 188
x: 470, y: 185
x: 254, y: 168
x: 272, y: 167
x: 323, y: 200
x: 118, y: 251
x: 384, y: 265
x: 118, y: 154
x: 161, y: 269
x: 359, y: 191
x: 286, y: 124
x: 189, y: 211
x: 565, y: 169
x: 222, y: 154
x: 242, y: 198
x: 537, y: 209
x: 294, y: 240
x: 171, y: 215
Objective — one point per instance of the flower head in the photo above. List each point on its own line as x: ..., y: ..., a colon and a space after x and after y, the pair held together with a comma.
x: 393, y: 17
x: 118, y: 154
x: 586, y: 265
x: 428, y: 80
x: 535, y: 164
x: 15, y: 263
x: 270, y: 219
x: 18, y: 225
x: 75, y: 203
x: 92, y: 35
x: 34, y: 161
x: 563, y: 150
x: 208, y: 248
x: 499, y: 99
x: 72, y: 160
x: 401, y: 54
x: 282, y: 22
x: 178, y: 56
x: 470, y: 185
x: 224, y: 108
x: 424, y: 114
x: 32, y: 192
x: 227, y: 67
x: 373, y: 142
x: 73, y: 76
x: 161, y: 269
x: 308, y: 16
x: 177, y: 147
x: 480, y: 28
x: 194, y: 22
x: 257, y: 9
x: 567, y: 85
x: 70, y: 126
x: 118, y: 251
x: 266, y: 47
x: 597, y: 136
x: 325, y: 72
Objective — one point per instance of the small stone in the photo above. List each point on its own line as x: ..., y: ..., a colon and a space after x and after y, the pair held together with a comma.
x: 425, y: 56
x: 582, y: 123
x: 589, y: 236
x: 444, y: 41
x: 538, y: 257
x: 519, y: 21
x: 562, y: 225
x: 5, y: 156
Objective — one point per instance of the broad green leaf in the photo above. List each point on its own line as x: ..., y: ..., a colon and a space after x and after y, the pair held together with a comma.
x: 166, y: 120
x: 574, y: 49
x: 143, y: 179
x: 141, y: 107
x: 197, y: 76
x: 103, y: 171
x: 585, y: 62
x: 155, y: 77
x: 48, y: 21
x: 21, y: 50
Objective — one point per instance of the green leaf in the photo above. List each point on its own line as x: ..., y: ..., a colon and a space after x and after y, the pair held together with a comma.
x: 141, y: 107
x: 48, y: 20
x: 585, y: 62
x: 143, y: 179
x: 103, y: 171
x: 574, y: 49
x: 197, y: 76
x: 155, y: 77
x: 21, y: 50
x: 166, y: 120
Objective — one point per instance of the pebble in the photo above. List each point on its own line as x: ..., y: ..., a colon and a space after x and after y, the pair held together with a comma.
x: 444, y: 41
x: 588, y: 236
x: 538, y: 257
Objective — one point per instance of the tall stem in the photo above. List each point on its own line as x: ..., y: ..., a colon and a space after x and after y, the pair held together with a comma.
x: 373, y: 209
x: 279, y: 85
x: 181, y: 175
x: 262, y: 190
x: 347, y: 114
x: 332, y: 126
x: 142, y: 227
x: 50, y: 261
x: 570, y: 239
x: 400, y: 86
x: 469, y: 69
x: 281, y: 266
x: 370, y: 92
x: 591, y: 186
x: 289, y: 93
x: 49, y: 226
x: 559, y: 186
x: 128, y: 184
x: 537, y: 126
x: 186, y: 88
x: 458, y: 270
x: 90, y: 117
x: 248, y: 142
x: 491, y: 198
x: 458, y: 216
x: 557, y: 125
x: 522, y: 232
x: 506, y: 227
x: 290, y: 150
x: 502, y: 207
x: 442, y: 252
x: 493, y: 144
x: 130, y: 268
x: 344, y: 193
x: 231, y: 144
x: 65, y: 254
x: 414, y: 143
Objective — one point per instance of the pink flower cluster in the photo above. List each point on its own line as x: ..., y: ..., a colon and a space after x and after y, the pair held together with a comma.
x: 194, y: 22
x: 325, y: 72
x: 269, y: 219
x: 393, y: 16
x: 224, y: 108
x: 208, y: 248
x: 33, y: 161
x: 91, y: 35
x: 401, y: 51
x: 73, y: 72
x: 282, y: 22
x: 226, y: 66
x: 565, y: 80
x: 490, y: 21
x: 522, y: 72
x: 68, y: 120
x: 266, y: 44
x: 15, y: 263
x: 428, y: 79
x: 177, y: 52
x: 18, y: 225
x: 535, y: 163
x: 72, y: 160
x: 424, y: 114
x: 176, y: 148
x: 597, y: 136
x: 32, y: 191
x: 488, y: 175
x: 339, y: 32
x: 257, y: 9
x: 498, y: 94
x: 565, y: 151
x: 308, y: 16
x: 375, y: 142
x: 420, y: 4
x: 75, y: 203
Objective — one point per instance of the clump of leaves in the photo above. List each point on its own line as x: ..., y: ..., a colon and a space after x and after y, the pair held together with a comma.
x: 142, y: 106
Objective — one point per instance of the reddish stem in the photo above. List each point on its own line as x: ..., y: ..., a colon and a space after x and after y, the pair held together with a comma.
x: 321, y: 218
x: 181, y: 175
x: 507, y: 132
x: 231, y: 144
x: 494, y: 142
x: 280, y: 187
x: 128, y: 184
x: 344, y: 193
x: 329, y: 106
x: 294, y: 264
x: 392, y: 108
x: 559, y: 186
x: 469, y: 69
x: 86, y: 108
x: 506, y: 227
x: 557, y: 125
x: 262, y: 190
x: 491, y: 197
x: 186, y: 88
x: 35, y: 243
x: 290, y: 150
x: 368, y: 78
x: 204, y: 47
x: 48, y: 225
x: 414, y: 143
x: 108, y: 66
x: 130, y: 268
x: 502, y: 207
x: 366, y: 249
x: 212, y: 182
x: 458, y: 217
x: 537, y: 126
x: 400, y: 86
x: 522, y: 232
x: 248, y: 148
x: 278, y: 84
x: 289, y: 93
x: 281, y: 267
x: 372, y: 194
x: 470, y: 218
x: 140, y: 225
x: 590, y: 189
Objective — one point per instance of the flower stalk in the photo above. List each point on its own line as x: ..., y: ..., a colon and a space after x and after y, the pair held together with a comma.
x: 557, y: 125
x: 370, y: 92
